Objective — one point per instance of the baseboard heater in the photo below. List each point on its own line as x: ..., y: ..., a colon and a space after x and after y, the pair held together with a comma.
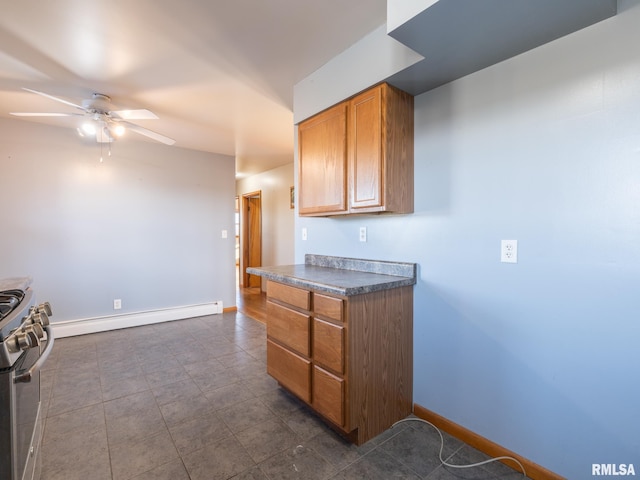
x: 71, y: 328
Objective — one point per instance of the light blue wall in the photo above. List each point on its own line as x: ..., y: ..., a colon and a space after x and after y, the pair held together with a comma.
x: 144, y: 226
x: 542, y: 357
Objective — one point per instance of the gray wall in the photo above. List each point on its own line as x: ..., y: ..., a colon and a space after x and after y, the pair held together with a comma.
x: 143, y: 226
x: 540, y: 356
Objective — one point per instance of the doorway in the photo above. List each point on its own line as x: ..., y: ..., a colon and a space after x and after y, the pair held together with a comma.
x: 251, y: 238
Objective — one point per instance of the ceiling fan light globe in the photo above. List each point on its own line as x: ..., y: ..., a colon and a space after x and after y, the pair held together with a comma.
x: 118, y: 130
x: 89, y: 128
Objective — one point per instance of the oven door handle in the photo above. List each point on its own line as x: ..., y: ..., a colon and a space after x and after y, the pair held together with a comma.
x: 35, y: 368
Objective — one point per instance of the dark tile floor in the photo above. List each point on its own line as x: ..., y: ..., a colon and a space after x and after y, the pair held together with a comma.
x: 191, y: 400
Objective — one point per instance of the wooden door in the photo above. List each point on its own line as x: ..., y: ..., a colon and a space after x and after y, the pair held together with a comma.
x: 252, y: 237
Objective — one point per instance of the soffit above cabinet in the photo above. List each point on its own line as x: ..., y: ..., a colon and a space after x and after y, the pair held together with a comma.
x: 459, y: 37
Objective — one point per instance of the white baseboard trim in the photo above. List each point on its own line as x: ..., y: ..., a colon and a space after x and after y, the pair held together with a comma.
x: 71, y: 328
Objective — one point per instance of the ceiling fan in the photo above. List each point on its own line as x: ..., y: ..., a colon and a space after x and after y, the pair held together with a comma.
x: 101, y: 120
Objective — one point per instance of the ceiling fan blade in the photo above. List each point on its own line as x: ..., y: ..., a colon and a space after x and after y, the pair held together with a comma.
x: 148, y: 133
x: 142, y: 114
x: 29, y: 114
x: 71, y: 104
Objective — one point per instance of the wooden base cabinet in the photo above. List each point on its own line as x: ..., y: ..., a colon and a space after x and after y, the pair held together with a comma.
x: 349, y: 358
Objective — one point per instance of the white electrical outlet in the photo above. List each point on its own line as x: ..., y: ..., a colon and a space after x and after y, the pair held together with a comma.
x: 509, y: 251
x: 363, y: 234
x: 117, y: 304
x: 224, y: 234
x: 304, y: 233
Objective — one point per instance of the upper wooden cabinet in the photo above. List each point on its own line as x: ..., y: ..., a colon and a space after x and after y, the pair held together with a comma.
x: 357, y: 156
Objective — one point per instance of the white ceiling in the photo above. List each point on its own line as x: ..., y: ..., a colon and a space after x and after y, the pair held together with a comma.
x: 218, y: 73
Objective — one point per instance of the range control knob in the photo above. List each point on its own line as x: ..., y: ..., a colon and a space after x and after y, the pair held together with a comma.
x: 31, y: 332
x: 45, y: 308
x: 39, y: 318
x: 23, y: 340
x: 38, y: 330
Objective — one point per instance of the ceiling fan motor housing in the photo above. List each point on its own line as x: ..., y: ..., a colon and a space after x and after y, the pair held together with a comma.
x: 99, y: 103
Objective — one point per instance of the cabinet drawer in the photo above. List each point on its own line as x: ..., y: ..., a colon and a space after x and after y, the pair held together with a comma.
x: 288, y: 327
x: 292, y: 371
x: 328, y: 395
x: 328, y: 345
x: 329, y: 307
x: 292, y: 295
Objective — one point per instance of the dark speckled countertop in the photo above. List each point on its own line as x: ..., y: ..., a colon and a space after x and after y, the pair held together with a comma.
x: 340, y: 275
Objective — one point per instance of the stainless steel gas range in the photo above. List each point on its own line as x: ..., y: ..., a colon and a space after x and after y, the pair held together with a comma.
x: 24, y: 329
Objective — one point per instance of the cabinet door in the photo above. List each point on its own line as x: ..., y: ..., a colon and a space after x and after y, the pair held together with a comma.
x: 322, y: 143
x: 291, y: 370
x: 328, y: 395
x: 366, y: 156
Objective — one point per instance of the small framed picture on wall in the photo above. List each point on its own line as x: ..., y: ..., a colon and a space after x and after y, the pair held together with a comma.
x: 292, y: 197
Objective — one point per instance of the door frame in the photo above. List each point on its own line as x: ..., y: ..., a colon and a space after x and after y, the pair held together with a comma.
x: 246, y: 215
